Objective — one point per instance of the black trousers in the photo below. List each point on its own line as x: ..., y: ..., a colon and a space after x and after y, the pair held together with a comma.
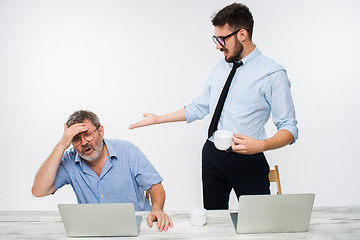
x: 223, y: 171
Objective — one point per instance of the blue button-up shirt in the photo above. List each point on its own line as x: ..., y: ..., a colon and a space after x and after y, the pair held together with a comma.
x: 125, y: 176
x: 260, y: 86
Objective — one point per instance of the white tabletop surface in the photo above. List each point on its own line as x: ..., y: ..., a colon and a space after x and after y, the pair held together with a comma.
x: 326, y: 223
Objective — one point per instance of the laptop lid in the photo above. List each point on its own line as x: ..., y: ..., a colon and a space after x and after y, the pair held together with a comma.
x: 273, y: 213
x: 98, y: 220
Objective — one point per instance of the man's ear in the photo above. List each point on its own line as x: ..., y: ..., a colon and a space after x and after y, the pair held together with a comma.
x: 101, y: 130
x: 242, y: 35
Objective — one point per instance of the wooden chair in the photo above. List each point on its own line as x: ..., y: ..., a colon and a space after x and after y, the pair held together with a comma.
x: 274, y: 177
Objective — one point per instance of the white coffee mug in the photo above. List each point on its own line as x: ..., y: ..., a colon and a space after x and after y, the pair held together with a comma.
x: 223, y: 139
x: 198, y: 217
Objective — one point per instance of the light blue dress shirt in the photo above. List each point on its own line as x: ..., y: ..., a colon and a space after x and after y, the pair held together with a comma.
x: 127, y: 173
x: 260, y: 87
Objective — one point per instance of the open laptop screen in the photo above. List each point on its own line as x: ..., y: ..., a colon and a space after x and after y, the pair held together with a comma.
x: 273, y: 213
x: 108, y: 219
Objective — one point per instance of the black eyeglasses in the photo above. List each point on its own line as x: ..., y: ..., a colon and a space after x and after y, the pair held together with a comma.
x: 87, y: 136
x: 221, y: 40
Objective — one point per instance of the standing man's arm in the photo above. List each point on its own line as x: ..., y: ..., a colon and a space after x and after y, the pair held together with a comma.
x: 247, y: 145
x: 44, y: 179
x: 283, y: 115
x: 157, y: 194
x: 151, y: 118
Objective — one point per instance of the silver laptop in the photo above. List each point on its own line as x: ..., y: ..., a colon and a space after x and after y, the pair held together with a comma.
x: 99, y: 220
x: 273, y: 213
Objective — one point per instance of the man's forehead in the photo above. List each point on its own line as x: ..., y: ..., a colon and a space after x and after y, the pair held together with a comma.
x: 86, y: 121
x: 222, y: 30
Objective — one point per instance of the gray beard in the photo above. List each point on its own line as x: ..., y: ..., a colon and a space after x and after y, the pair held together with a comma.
x: 98, y: 151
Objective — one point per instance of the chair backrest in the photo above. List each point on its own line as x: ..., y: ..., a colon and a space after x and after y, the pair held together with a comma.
x: 275, y: 177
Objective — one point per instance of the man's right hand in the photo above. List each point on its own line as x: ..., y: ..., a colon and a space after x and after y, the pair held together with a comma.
x: 150, y: 119
x: 71, y: 132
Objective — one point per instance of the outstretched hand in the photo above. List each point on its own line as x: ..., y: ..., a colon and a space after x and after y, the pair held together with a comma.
x: 150, y: 119
x: 163, y: 220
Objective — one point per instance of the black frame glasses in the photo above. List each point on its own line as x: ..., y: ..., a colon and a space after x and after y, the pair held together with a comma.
x: 221, y: 40
x: 87, y: 136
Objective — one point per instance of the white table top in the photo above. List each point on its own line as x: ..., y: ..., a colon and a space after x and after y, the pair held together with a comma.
x: 326, y: 223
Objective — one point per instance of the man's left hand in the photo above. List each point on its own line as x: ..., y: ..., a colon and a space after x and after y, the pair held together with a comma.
x: 163, y: 220
x: 247, y: 145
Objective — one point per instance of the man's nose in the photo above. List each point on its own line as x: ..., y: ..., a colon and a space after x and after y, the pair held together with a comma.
x: 218, y: 45
x: 83, y: 140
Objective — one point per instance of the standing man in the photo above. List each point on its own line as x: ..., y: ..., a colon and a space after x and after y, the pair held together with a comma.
x: 101, y: 170
x: 241, y: 92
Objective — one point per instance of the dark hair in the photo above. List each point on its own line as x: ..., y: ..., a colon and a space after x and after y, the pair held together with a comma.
x: 237, y: 16
x: 81, y: 115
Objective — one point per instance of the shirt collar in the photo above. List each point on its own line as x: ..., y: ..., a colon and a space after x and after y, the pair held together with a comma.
x: 111, y: 151
x: 78, y: 158
x: 251, y: 56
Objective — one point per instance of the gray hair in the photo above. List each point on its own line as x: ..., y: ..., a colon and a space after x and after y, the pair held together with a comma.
x: 81, y: 115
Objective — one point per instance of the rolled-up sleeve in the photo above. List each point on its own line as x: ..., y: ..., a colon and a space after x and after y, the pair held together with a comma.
x: 281, y: 102
x: 143, y: 171
x: 200, y: 106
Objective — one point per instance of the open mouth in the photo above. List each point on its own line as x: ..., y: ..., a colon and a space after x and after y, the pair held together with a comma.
x: 87, y: 150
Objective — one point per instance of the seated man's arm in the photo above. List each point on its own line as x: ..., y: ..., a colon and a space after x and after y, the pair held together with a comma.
x: 44, y: 179
x: 157, y: 194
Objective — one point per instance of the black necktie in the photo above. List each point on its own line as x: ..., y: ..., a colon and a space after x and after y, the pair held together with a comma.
x: 220, y: 104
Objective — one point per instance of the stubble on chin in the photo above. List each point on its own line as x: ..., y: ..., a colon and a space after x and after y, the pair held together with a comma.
x: 97, y: 152
x: 227, y: 58
x: 235, y: 56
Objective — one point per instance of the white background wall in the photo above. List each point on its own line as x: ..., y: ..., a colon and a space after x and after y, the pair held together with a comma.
x: 122, y: 58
